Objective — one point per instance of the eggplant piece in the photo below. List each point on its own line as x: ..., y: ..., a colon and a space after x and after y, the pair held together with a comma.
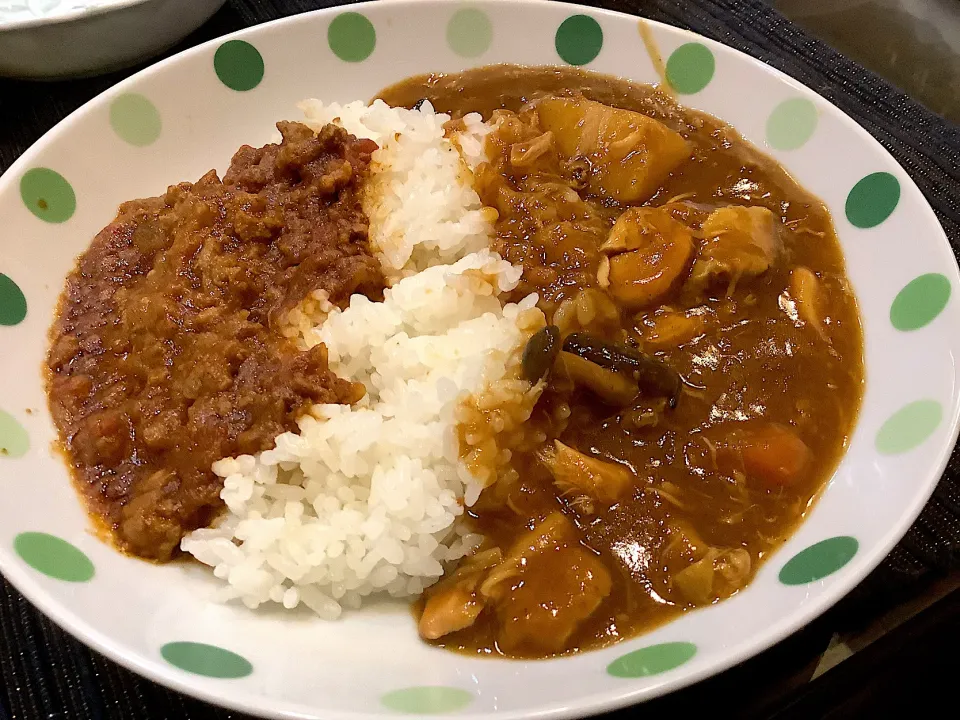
x: 652, y: 376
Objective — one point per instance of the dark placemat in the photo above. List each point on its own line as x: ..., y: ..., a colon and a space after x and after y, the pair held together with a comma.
x: 46, y: 674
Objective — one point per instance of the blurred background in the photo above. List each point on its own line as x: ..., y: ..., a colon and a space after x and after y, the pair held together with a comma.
x: 914, y: 44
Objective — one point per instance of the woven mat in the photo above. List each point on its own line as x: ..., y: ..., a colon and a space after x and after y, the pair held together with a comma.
x: 46, y: 674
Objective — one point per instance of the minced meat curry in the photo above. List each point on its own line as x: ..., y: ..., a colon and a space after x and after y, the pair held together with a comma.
x: 166, y: 356
x: 703, y: 362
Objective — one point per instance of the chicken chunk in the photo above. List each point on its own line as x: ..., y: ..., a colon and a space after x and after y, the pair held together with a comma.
x: 645, y: 256
x: 586, y: 477
x: 702, y: 573
x: 666, y: 328
x: 738, y: 242
x: 454, y: 603
x: 718, y: 574
x: 546, y: 587
x: 629, y: 154
x: 452, y: 609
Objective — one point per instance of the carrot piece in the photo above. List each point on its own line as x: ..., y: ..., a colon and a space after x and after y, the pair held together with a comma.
x: 774, y: 455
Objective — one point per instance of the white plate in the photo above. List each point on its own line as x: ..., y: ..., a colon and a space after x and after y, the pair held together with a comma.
x: 177, y: 120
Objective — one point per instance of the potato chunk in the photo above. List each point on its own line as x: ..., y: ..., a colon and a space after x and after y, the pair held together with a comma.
x: 739, y: 242
x: 630, y: 154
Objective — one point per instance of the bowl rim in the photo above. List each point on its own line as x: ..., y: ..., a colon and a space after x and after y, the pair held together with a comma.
x: 587, y: 704
x: 68, y: 17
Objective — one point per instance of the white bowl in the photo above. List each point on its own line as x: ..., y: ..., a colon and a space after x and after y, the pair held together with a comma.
x: 180, y: 118
x: 85, y: 37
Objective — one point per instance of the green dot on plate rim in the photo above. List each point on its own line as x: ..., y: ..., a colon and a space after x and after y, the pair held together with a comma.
x: 53, y: 556
x: 909, y: 427
x: 427, y: 699
x: 819, y: 560
x: 690, y: 68
x: 207, y: 660
x: 469, y: 32
x: 239, y: 65
x: 48, y: 195
x: 13, y: 303
x: 579, y: 40
x: 872, y: 200
x: 135, y: 119
x: 14, y: 440
x: 351, y: 37
x: 791, y: 124
x: 652, y: 660
x: 920, y: 301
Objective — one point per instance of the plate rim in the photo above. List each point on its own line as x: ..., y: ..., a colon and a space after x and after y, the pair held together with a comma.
x: 589, y: 704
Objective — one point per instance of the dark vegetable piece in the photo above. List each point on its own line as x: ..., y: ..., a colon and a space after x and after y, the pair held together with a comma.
x: 651, y: 375
x: 610, y: 386
x: 540, y: 353
x: 418, y: 104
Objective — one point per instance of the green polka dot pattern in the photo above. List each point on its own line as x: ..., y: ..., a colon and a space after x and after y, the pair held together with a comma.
x: 48, y: 195
x: 239, y: 65
x: 207, y: 660
x: 791, y: 124
x: 909, y: 427
x: 135, y: 119
x: 13, y: 305
x: 469, y: 32
x: 352, y: 37
x: 579, y: 40
x: 920, y: 301
x: 14, y: 441
x: 818, y: 561
x: 690, y: 68
x: 652, y: 660
x: 53, y: 556
x: 872, y: 200
x: 428, y: 700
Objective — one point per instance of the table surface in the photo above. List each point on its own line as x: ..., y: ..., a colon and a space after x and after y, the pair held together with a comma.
x: 914, y: 44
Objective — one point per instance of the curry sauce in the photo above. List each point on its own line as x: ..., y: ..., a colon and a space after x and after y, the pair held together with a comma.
x: 691, y: 376
x: 692, y: 249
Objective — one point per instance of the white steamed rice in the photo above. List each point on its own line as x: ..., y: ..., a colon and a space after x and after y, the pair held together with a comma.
x: 365, y: 499
x: 422, y: 207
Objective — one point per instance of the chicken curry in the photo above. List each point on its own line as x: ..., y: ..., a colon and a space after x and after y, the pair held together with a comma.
x: 701, y: 370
